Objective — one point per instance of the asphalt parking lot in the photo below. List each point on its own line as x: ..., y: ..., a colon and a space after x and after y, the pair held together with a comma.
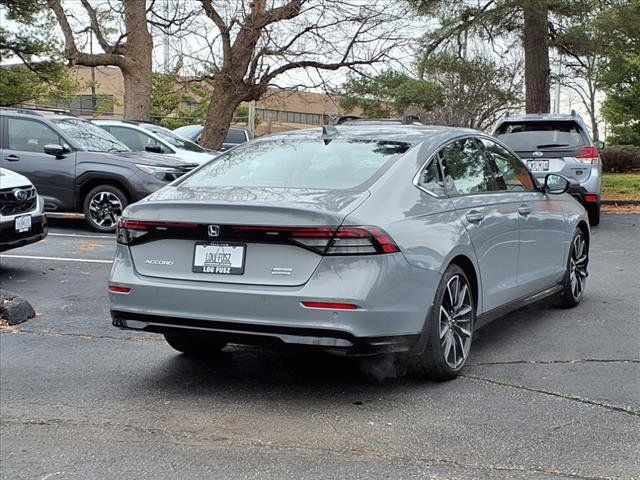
x: 548, y: 394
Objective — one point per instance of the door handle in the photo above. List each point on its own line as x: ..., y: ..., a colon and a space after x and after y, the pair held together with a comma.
x: 475, y: 216
x: 12, y: 158
x: 524, y: 210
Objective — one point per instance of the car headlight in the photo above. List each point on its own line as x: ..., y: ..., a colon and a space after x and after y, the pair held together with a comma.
x: 166, y: 174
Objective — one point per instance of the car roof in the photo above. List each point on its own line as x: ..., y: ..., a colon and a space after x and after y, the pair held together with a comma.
x: 542, y: 117
x: 390, y: 132
x: 40, y: 114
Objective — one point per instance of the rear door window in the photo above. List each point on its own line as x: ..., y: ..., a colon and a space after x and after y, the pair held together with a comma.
x: 542, y: 135
x: 466, y: 170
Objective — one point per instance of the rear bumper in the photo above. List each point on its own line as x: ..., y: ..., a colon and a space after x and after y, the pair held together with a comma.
x: 581, y: 194
x: 10, y: 239
x: 336, y: 341
x: 393, y: 299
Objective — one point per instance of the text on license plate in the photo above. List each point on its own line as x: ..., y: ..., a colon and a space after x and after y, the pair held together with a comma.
x: 219, y: 258
x: 23, y: 223
x: 538, y: 165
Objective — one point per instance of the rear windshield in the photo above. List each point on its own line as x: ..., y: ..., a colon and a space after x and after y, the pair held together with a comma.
x: 291, y: 163
x: 547, y: 135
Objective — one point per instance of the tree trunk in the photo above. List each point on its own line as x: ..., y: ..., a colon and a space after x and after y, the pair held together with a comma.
x: 137, y: 92
x: 220, y: 112
x: 536, y: 55
x: 137, y: 67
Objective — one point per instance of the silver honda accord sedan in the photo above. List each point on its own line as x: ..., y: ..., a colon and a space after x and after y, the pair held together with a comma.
x: 359, y: 240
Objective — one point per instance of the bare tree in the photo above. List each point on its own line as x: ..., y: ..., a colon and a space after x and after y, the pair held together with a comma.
x: 256, y: 42
x: 130, y: 50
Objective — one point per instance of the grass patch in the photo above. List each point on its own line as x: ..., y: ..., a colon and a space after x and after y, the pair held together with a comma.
x: 621, y: 186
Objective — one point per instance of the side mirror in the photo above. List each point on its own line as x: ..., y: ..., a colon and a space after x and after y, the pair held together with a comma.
x: 599, y: 144
x: 555, y: 184
x: 154, y: 149
x: 57, y: 151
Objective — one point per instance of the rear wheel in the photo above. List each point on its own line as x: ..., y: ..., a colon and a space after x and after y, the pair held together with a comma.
x: 576, y: 276
x: 195, y: 345
x: 102, y: 207
x: 593, y: 211
x: 450, y: 328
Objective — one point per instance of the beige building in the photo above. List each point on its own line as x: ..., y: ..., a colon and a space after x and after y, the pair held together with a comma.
x: 278, y: 110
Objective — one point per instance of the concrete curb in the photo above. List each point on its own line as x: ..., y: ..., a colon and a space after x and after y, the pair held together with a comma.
x: 620, y: 202
x: 14, y: 309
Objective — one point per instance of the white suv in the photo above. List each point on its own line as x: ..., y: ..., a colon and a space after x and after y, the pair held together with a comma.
x: 22, y: 219
x: 147, y: 137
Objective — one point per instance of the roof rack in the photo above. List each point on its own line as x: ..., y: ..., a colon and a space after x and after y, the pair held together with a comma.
x: 36, y: 110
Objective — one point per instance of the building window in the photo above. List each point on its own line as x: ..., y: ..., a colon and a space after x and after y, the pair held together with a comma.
x: 84, y: 104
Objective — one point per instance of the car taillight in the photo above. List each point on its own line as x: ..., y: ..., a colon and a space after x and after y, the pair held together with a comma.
x: 330, y: 305
x: 327, y: 240
x: 130, y: 230
x: 588, y: 155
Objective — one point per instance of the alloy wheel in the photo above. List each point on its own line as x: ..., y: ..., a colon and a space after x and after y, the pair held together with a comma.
x: 456, y: 322
x: 578, y: 266
x: 105, y: 208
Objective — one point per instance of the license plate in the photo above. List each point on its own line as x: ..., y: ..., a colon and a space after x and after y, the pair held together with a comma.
x: 219, y: 258
x: 23, y: 224
x: 538, y: 165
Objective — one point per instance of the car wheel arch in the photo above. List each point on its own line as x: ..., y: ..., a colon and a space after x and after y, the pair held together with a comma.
x: 469, y: 269
x: 91, y: 182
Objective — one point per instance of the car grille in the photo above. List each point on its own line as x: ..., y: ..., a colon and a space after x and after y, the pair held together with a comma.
x: 12, y: 203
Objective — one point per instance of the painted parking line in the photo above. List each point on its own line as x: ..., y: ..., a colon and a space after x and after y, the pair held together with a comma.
x: 58, y: 259
x: 79, y: 235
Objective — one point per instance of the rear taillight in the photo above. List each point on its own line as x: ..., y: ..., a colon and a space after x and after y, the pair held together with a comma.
x: 130, y: 230
x: 330, y: 305
x: 120, y: 289
x: 327, y: 240
x: 588, y: 155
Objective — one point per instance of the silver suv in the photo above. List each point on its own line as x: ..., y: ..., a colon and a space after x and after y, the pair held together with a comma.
x: 560, y: 144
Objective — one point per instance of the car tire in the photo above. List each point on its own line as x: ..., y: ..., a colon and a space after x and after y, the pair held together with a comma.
x: 576, y: 275
x: 102, y: 207
x: 195, y: 345
x: 594, y: 214
x: 449, y: 328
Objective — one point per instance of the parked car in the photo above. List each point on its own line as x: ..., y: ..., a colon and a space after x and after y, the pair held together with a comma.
x: 22, y: 219
x: 147, y: 137
x: 78, y: 167
x: 358, y: 240
x: 558, y: 143
x: 235, y: 136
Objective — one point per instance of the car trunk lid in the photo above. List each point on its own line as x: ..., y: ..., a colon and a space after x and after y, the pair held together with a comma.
x: 244, y: 233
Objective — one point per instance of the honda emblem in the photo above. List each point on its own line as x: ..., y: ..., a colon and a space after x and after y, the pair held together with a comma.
x: 213, y: 230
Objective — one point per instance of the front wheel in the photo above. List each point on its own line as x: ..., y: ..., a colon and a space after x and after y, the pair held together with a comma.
x: 450, y: 328
x: 102, y: 207
x: 195, y: 345
x: 576, y: 276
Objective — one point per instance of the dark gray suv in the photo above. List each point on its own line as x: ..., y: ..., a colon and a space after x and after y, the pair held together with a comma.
x: 78, y: 167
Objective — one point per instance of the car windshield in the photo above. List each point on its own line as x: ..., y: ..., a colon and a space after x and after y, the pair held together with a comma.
x: 541, y: 135
x: 291, y: 163
x: 89, y: 136
x: 189, y: 131
x: 174, y: 140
